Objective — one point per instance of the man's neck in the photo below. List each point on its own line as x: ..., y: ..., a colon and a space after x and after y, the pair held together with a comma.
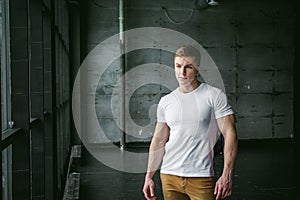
x: 189, y: 88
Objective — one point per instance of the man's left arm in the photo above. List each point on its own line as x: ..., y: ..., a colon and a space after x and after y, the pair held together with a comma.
x: 223, y: 186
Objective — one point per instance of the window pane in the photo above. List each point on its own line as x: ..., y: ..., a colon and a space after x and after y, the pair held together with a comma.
x: 5, y: 97
x: 5, y: 64
x: 6, y: 173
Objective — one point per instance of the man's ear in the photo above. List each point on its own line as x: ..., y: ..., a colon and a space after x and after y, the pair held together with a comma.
x: 198, y: 69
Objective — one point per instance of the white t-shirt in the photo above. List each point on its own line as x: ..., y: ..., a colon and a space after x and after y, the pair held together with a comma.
x: 191, y: 118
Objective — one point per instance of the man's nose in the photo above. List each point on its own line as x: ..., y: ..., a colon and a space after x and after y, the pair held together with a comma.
x: 182, y: 71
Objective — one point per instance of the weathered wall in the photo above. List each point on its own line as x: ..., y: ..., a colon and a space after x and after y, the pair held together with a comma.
x: 251, y: 42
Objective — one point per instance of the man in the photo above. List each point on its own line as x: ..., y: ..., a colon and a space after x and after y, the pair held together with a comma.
x: 188, y: 120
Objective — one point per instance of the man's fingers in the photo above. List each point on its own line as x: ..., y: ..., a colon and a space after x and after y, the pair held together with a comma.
x: 227, y: 193
x: 152, y: 190
x: 216, y: 189
x: 151, y: 193
x: 146, y: 193
x: 218, y: 192
x: 148, y: 190
x: 223, y: 194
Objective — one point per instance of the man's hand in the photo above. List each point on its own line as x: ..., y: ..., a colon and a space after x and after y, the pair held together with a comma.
x: 148, y: 189
x: 223, y: 187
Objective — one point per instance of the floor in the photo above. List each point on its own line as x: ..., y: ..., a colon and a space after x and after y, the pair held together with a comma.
x: 264, y: 170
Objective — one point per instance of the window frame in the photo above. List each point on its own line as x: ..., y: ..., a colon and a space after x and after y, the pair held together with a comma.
x: 5, y: 68
x: 6, y: 122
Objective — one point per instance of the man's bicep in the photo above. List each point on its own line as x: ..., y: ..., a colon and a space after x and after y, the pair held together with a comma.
x: 226, y: 124
x: 162, y: 131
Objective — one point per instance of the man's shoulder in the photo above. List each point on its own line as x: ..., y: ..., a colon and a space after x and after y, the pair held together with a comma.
x: 212, y: 89
x: 167, y: 97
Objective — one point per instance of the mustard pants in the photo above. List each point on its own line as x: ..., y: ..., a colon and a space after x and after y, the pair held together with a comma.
x: 187, y: 188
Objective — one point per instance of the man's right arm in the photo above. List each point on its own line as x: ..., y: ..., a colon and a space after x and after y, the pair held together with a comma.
x: 156, y: 153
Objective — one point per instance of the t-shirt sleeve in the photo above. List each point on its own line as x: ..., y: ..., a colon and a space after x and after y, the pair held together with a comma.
x: 160, y: 112
x: 221, y: 105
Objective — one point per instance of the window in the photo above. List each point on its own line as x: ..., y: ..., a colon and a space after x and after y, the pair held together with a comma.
x: 5, y: 98
x: 5, y: 65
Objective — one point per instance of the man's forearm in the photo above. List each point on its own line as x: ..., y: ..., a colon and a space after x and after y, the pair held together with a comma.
x: 156, y: 154
x: 230, y: 152
x: 157, y: 148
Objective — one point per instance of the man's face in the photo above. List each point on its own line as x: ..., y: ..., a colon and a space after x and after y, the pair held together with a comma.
x: 185, y: 71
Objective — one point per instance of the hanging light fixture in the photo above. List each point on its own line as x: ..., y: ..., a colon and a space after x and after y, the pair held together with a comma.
x: 203, y: 4
x: 213, y: 2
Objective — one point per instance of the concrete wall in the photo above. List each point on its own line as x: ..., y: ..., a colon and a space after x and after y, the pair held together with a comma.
x: 251, y: 42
